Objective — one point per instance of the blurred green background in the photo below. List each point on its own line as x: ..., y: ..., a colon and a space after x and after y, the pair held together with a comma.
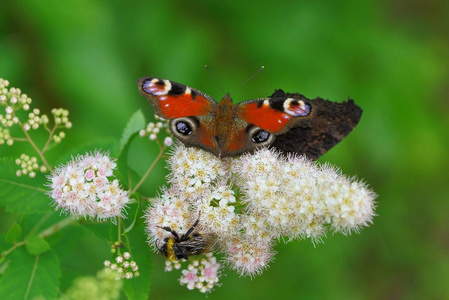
x: 392, y: 57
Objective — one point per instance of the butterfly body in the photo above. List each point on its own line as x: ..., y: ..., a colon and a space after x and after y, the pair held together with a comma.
x: 224, y: 129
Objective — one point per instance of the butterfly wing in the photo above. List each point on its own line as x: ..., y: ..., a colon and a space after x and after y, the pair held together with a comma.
x: 171, y: 100
x: 301, y: 125
x: 289, y: 122
x: 191, y: 112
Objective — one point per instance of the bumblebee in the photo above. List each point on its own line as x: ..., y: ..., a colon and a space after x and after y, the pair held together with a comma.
x: 189, y: 244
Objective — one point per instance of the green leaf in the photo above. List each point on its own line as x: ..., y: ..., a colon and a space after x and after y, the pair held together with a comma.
x: 105, y: 231
x: 14, y: 234
x: 36, y: 245
x: 137, y: 215
x: 139, y: 287
x: 127, y: 176
x: 80, y: 252
x: 3, y: 247
x: 22, y: 194
x: 135, y: 123
x: 30, y: 277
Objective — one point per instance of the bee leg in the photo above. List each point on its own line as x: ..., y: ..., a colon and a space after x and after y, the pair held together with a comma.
x: 186, y: 235
x: 156, y: 244
x: 175, y: 234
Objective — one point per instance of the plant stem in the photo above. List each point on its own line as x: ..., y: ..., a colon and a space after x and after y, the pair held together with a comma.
x: 144, y: 177
x: 119, y: 233
x: 41, y: 154
x: 20, y: 139
x: 56, y: 227
x: 38, y: 224
x: 52, y: 132
x: 45, y: 233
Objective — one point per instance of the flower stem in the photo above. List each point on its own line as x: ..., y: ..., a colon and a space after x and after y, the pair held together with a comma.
x: 119, y: 233
x: 52, y: 132
x: 41, y: 154
x: 38, y: 224
x: 144, y: 177
x: 56, y: 227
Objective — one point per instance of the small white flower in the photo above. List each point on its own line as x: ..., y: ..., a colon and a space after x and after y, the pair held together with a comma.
x: 189, y: 277
x: 168, y: 141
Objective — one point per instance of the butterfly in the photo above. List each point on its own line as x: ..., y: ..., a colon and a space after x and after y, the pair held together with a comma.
x: 289, y: 122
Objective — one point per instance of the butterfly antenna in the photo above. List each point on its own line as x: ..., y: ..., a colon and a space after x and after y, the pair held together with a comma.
x: 251, y: 77
x: 215, y: 79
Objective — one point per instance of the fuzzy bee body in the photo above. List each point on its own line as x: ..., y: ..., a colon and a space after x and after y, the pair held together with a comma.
x: 186, y: 245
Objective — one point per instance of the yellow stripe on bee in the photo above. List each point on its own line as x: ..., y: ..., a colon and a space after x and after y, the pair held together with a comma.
x: 170, y: 251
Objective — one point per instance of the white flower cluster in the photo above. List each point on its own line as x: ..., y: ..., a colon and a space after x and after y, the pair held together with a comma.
x: 29, y: 166
x: 278, y: 197
x: 202, y: 274
x: 61, y: 117
x: 34, y: 120
x: 86, y: 187
x: 5, y: 137
x: 153, y: 129
x: 12, y: 100
x: 297, y: 198
x: 125, y: 268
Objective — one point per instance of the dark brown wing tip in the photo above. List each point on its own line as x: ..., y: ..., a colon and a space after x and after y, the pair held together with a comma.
x: 278, y: 93
x: 331, y: 122
x: 142, y: 79
x: 355, y: 111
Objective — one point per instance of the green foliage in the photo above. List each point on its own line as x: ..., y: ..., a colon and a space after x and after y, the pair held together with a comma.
x: 22, y: 194
x: 36, y: 245
x: 137, y: 216
x: 14, y: 234
x: 28, y: 276
x: 135, y: 123
x: 139, y: 287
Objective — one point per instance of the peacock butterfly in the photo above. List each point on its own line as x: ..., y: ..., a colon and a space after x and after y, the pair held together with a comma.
x: 289, y: 122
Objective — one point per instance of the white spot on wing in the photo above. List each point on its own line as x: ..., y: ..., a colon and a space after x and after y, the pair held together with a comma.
x: 298, y: 110
x: 157, y: 89
x: 167, y: 85
x: 287, y: 104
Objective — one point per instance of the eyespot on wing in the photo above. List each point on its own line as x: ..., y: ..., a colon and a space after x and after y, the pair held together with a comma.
x: 172, y: 100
